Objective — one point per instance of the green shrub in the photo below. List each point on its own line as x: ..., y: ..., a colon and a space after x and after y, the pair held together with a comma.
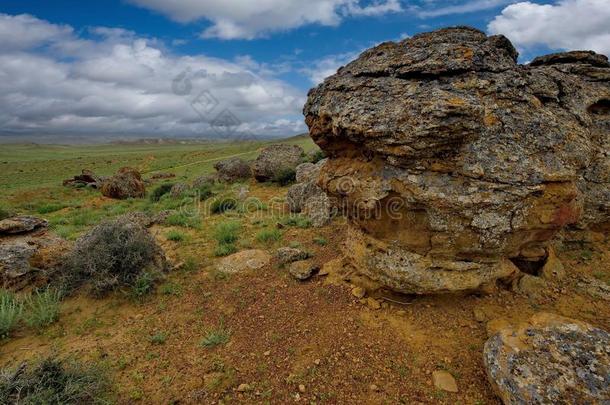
x: 143, y: 285
x: 227, y: 232
x: 183, y: 219
x: 285, y: 176
x: 225, y: 249
x: 299, y: 221
x: 175, y: 236
x: 269, y: 235
x: 205, y: 191
x: 54, y: 381
x: 10, y: 312
x: 216, y: 337
x: 4, y: 213
x: 49, y: 208
x: 317, y: 156
x: 42, y: 308
x: 223, y: 204
x: 320, y: 240
x: 113, y: 255
x: 158, y: 338
x: 160, y: 191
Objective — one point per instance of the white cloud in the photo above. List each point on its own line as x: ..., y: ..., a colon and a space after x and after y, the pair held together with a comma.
x: 317, y: 70
x: 460, y: 8
x: 248, y: 19
x: 568, y: 24
x: 52, y: 81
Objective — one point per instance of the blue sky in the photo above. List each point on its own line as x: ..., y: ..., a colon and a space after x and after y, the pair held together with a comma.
x: 106, y: 68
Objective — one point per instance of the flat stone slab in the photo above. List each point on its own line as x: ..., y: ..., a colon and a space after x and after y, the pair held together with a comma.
x: 21, y: 224
x: 550, y: 360
x: 253, y: 259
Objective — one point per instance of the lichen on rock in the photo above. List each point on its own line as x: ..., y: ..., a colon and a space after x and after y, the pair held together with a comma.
x: 451, y: 159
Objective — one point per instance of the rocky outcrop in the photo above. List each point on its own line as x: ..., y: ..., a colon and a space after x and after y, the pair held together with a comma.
x: 21, y: 224
x: 307, y: 197
x: 454, y: 163
x: 232, y: 170
x: 276, y: 158
x: 127, y: 183
x: 550, y: 360
x: 87, y: 178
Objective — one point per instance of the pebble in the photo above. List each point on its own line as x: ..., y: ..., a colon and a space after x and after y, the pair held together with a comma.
x: 358, y: 292
x: 316, y: 362
x: 444, y: 381
x: 479, y: 315
x: 374, y: 388
x: 243, y: 388
x: 372, y: 303
x: 301, y: 388
x: 267, y: 353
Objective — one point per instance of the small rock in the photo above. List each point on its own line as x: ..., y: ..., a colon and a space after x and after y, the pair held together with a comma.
x: 286, y: 255
x: 358, y: 292
x: 253, y: 259
x: 444, y: 381
x: 372, y: 303
x: 243, y: 388
x: 479, y: 315
x: 374, y: 388
x: 267, y: 353
x: 532, y: 286
x: 302, y: 270
x: 316, y: 362
x: 301, y: 388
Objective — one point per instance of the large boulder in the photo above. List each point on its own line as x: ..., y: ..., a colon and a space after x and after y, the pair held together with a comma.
x: 451, y: 159
x: 127, y: 183
x: 232, y: 170
x: 87, y: 178
x: 276, y: 158
x: 550, y: 360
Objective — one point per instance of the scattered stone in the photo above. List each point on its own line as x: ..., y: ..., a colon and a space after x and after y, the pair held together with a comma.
x: 316, y: 362
x: 274, y: 159
x: 21, y: 224
x: 15, y: 261
x: 232, y: 170
x: 243, y: 388
x: 479, y: 315
x: 358, y: 292
x: 374, y: 388
x: 127, y: 183
x: 245, y: 260
x: 443, y: 380
x: 550, y: 360
x: 372, y: 303
x: 162, y: 175
x: 267, y: 353
x: 287, y: 255
x: 302, y: 270
x: 301, y: 388
x: 423, y: 152
x: 179, y: 190
x: 86, y: 179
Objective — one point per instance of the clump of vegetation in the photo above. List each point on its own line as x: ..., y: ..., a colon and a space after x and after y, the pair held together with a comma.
x: 299, y: 221
x: 227, y: 232
x: 49, y: 208
x: 160, y: 191
x: 115, y: 254
x: 54, y: 381
x: 10, y: 313
x: 183, y: 219
x: 285, y: 176
x: 269, y: 235
x: 317, y: 156
x: 223, y: 204
x: 158, y: 338
x: 320, y: 241
x: 4, y: 213
x: 205, y: 191
x: 175, y: 236
x: 42, y: 308
x: 216, y: 337
x: 143, y: 285
x: 225, y: 250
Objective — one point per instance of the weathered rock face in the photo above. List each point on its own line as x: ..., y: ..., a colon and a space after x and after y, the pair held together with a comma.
x: 232, y: 170
x: 452, y: 159
x: 127, y: 183
x: 550, y: 360
x: 21, y: 224
x: 275, y: 158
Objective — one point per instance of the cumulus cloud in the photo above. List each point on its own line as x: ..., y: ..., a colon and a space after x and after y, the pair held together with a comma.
x: 114, y: 82
x: 568, y: 24
x: 247, y: 19
x: 460, y: 8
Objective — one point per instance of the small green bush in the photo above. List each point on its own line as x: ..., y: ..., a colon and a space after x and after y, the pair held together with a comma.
x: 183, y: 219
x: 49, y: 208
x: 54, y: 381
x: 216, y: 337
x: 4, y: 213
x: 42, y: 308
x: 320, y: 241
x: 225, y: 249
x: 223, y: 204
x: 299, y: 221
x: 158, y: 338
x: 269, y: 235
x: 285, y: 176
x: 317, y: 156
x: 205, y: 191
x: 227, y: 232
x: 143, y: 285
x: 160, y: 191
x: 10, y: 312
x: 175, y: 236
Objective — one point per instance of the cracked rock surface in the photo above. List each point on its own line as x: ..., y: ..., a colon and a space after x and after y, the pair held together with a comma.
x: 451, y: 159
